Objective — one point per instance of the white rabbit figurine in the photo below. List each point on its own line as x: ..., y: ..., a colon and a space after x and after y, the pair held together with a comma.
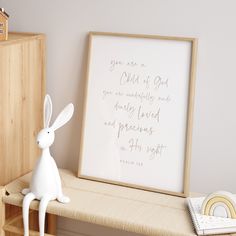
x: 45, y: 183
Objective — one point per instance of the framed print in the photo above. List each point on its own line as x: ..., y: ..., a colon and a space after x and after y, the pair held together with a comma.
x: 138, y: 109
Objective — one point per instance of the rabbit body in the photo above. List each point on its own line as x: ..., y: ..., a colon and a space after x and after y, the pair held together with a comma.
x: 45, y: 184
x: 45, y: 178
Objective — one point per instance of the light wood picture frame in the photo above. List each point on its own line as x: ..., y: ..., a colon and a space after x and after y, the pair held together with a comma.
x: 138, y: 111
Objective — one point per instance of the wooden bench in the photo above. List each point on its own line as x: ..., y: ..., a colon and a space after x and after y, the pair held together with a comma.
x: 108, y: 205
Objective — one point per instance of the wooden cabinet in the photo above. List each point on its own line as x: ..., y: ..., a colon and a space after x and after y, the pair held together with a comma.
x: 22, y: 89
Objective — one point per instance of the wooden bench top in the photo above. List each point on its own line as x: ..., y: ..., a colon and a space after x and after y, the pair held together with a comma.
x: 128, y: 209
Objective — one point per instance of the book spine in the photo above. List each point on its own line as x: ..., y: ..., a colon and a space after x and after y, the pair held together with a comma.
x: 194, y: 220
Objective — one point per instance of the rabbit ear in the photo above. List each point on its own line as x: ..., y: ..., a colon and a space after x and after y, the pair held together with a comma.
x: 47, y: 110
x: 63, y: 117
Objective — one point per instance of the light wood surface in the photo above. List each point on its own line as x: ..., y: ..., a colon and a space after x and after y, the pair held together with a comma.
x: 188, y: 146
x: 51, y: 224
x: 20, y: 231
x: 22, y: 88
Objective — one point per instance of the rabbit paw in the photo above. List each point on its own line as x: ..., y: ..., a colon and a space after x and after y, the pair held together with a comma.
x: 63, y: 199
x: 25, y: 191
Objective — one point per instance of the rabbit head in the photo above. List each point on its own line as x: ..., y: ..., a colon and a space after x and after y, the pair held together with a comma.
x: 46, y: 136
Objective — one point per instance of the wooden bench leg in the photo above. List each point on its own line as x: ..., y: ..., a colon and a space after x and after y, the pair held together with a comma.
x: 5, y: 225
x: 51, y: 224
x: 2, y: 212
x: 9, y: 226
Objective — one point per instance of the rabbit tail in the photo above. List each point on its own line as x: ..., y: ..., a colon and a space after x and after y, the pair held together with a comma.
x: 26, y: 204
x: 42, y: 211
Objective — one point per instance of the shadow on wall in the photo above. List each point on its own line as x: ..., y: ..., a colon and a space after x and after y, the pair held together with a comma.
x: 73, y: 143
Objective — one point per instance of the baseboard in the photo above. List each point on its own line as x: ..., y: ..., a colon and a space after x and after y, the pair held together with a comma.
x: 63, y: 232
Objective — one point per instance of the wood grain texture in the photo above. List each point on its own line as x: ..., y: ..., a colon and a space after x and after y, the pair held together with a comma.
x: 11, y: 212
x: 14, y: 219
x: 51, y: 224
x: 18, y: 231
x: 188, y: 146
x: 22, y: 88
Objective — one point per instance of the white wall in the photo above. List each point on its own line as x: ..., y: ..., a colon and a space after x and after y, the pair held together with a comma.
x: 66, y: 24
